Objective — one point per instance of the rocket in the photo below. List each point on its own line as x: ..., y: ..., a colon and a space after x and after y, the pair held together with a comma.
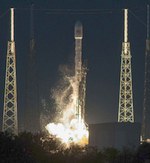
x: 78, y: 34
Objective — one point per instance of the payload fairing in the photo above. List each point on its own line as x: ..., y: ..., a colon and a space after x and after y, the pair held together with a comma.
x: 78, y: 50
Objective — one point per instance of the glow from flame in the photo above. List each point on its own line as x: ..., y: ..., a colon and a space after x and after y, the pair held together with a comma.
x: 76, y: 134
x: 68, y: 128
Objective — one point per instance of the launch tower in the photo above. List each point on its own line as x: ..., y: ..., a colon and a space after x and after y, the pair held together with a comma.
x: 10, y: 121
x: 125, y: 113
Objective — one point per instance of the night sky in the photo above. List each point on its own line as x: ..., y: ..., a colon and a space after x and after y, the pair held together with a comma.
x: 102, y: 43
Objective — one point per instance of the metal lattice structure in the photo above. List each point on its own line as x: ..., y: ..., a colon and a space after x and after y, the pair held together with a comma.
x: 10, y: 121
x: 146, y: 104
x: 125, y: 113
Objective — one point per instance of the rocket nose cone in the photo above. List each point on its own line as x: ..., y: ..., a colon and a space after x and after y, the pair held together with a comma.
x: 78, y: 30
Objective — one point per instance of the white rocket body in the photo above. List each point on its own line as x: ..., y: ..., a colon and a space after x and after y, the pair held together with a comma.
x: 78, y: 50
x: 78, y: 34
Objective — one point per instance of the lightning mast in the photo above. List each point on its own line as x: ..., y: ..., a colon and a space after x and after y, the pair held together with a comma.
x: 10, y: 121
x: 146, y: 104
x: 125, y: 113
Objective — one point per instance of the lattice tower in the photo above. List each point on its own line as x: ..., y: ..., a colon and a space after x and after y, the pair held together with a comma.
x: 10, y: 121
x: 125, y: 113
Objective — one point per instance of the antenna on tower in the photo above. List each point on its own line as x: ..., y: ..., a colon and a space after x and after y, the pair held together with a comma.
x: 125, y: 25
x: 12, y: 24
x: 10, y: 120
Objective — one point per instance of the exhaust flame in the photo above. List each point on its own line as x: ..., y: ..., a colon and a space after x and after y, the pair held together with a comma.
x: 68, y: 128
x: 73, y: 134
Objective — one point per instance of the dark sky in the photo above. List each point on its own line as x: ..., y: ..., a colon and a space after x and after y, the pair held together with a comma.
x: 102, y: 43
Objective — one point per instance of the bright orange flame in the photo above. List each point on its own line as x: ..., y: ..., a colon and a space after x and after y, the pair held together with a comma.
x: 69, y: 129
x: 74, y: 133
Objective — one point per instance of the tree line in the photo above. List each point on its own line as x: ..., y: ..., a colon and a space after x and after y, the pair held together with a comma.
x: 40, y: 148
